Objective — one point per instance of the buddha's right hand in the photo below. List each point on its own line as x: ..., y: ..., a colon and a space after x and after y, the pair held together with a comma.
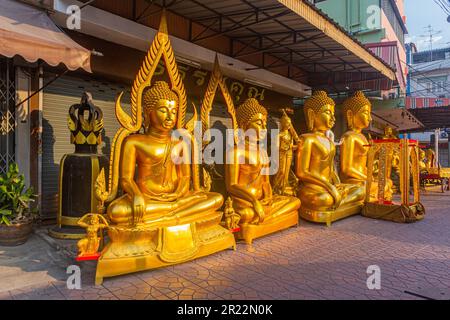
x: 259, y: 210
x: 336, y: 196
x: 138, y: 208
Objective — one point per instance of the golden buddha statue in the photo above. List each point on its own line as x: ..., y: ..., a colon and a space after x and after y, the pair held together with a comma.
x: 431, y: 158
x: 160, y: 192
x: 324, y: 198
x: 287, y: 140
x: 354, y: 145
x: 159, y: 220
x: 248, y: 184
x: 422, y: 161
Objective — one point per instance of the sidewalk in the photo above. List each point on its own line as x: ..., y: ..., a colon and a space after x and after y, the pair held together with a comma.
x: 308, y: 262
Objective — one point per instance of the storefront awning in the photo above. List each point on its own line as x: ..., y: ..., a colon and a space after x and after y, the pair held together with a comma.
x: 29, y: 32
x: 290, y: 37
x: 400, y: 118
x: 388, y: 51
x: 433, y: 118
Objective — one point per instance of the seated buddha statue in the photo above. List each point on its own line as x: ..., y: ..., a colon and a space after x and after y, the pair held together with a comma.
x: 156, y: 190
x: 248, y: 183
x: 354, y: 147
x: 422, y: 161
x: 324, y: 198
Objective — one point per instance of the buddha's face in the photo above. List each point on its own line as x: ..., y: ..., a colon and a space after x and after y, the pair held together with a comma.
x: 421, y: 154
x: 363, y: 118
x: 388, y: 131
x: 164, y: 116
x: 324, y: 120
x: 258, y: 124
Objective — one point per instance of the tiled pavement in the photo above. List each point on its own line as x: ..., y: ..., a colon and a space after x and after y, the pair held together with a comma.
x: 308, y: 262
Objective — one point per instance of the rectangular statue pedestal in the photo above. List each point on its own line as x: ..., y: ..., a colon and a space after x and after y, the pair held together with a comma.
x: 330, y: 216
x: 249, y: 232
x: 138, y: 249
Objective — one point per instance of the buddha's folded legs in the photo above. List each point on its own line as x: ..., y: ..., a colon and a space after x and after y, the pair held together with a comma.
x: 354, y: 193
x: 315, y: 198
x: 120, y: 211
x: 281, y: 205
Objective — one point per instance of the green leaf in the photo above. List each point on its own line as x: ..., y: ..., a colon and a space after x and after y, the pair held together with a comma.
x: 5, y: 220
x: 5, y: 212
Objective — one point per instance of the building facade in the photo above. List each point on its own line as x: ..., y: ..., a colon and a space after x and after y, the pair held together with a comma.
x: 116, y: 35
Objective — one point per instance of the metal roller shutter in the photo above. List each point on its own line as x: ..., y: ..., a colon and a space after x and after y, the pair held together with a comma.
x: 58, y: 97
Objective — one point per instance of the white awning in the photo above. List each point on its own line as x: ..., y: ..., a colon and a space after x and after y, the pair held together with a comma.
x: 30, y: 33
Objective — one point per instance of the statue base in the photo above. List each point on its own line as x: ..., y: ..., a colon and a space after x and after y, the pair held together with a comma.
x: 249, y: 232
x: 67, y: 233
x: 133, y: 249
x: 330, y: 216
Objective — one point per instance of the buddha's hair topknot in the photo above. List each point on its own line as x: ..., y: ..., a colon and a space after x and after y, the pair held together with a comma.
x: 355, y: 102
x: 317, y: 101
x: 159, y: 90
x: 247, y: 110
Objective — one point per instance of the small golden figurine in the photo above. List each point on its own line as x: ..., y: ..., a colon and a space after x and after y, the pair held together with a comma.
x: 324, y: 198
x: 231, y: 218
x: 288, y: 140
x: 249, y: 185
x: 88, y: 246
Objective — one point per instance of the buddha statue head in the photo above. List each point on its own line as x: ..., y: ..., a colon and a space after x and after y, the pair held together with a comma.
x: 251, y: 115
x: 357, y: 109
x: 160, y: 106
x: 422, y: 155
x: 285, y: 122
x: 389, y: 133
x: 319, y: 112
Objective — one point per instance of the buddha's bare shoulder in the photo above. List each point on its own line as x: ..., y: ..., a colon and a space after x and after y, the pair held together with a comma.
x: 307, y: 138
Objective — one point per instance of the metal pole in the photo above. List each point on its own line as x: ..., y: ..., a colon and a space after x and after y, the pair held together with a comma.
x: 437, y: 134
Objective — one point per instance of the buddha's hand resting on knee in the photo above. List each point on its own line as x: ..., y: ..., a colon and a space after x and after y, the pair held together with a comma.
x: 138, y: 208
x: 336, y: 196
x: 259, y: 210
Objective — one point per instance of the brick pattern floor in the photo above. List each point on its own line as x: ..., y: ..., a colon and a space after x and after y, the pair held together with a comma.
x: 307, y: 262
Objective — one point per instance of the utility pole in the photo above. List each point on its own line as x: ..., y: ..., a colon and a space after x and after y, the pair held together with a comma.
x: 430, y: 34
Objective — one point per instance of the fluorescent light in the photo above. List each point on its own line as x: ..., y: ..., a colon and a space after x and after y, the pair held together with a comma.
x: 188, y: 62
x: 259, y: 83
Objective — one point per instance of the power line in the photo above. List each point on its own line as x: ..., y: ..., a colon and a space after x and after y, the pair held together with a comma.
x: 445, y: 6
x: 441, y: 6
x: 431, y: 80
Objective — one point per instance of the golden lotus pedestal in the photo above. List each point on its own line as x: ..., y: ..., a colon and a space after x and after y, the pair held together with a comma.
x: 331, y: 216
x: 249, y: 232
x: 133, y: 249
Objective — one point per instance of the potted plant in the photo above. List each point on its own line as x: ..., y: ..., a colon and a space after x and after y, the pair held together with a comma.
x: 16, y: 217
